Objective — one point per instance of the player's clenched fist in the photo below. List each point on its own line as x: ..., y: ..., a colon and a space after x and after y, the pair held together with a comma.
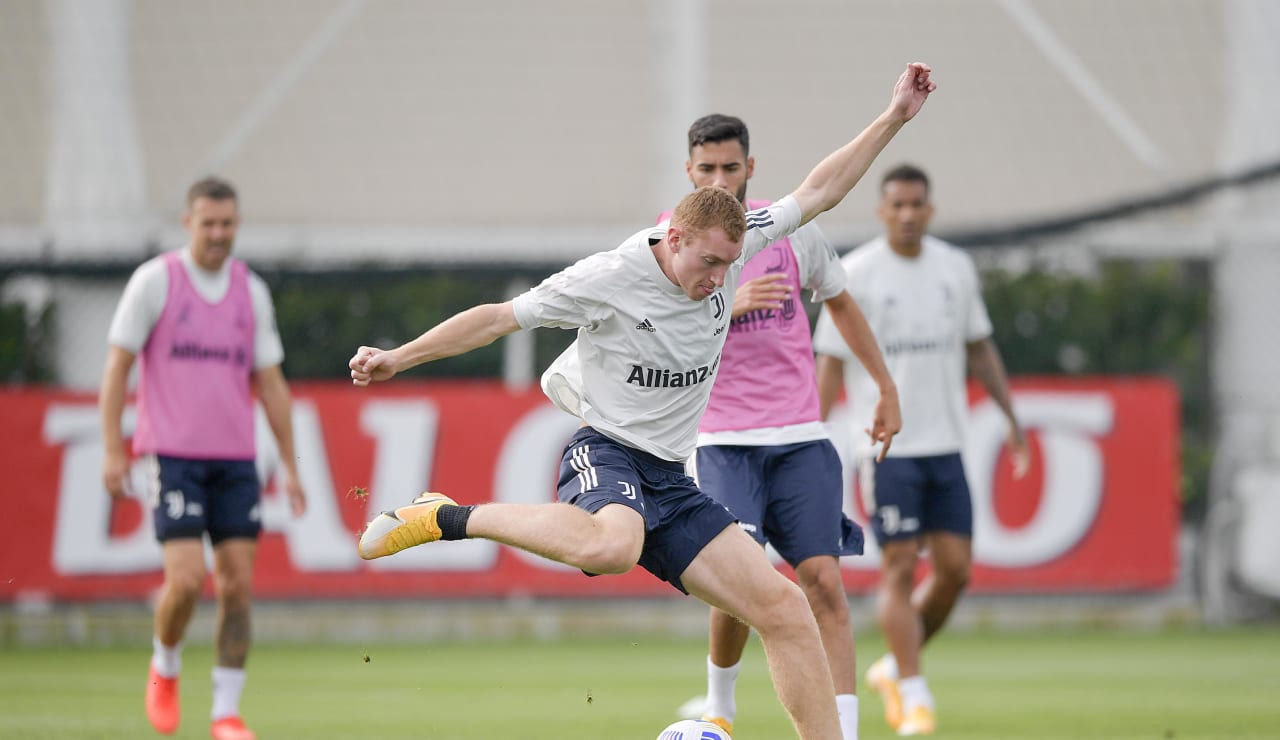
x: 369, y: 364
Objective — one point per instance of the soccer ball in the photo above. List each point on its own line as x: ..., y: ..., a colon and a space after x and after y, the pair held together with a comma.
x: 693, y: 729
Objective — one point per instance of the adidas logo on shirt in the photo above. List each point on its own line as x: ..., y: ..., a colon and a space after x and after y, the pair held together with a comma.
x: 646, y: 326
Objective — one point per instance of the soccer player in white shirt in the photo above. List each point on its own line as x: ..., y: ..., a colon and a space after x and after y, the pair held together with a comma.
x: 924, y: 303
x: 651, y: 316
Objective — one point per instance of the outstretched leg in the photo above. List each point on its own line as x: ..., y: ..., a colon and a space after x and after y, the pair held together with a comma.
x: 733, y: 574
x: 608, y: 541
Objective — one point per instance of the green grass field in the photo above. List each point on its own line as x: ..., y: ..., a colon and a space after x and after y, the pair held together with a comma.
x: 1052, y: 686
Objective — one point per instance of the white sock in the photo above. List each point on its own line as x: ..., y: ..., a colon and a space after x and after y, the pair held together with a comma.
x: 228, y: 684
x: 915, y: 693
x: 847, y: 707
x: 166, y: 660
x: 890, y: 663
x: 721, y: 683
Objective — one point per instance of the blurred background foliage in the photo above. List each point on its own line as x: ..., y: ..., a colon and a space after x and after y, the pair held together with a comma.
x: 1131, y: 318
x: 323, y: 318
x: 26, y: 339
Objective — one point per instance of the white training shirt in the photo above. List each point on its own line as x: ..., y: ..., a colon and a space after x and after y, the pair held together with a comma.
x: 646, y: 355
x: 145, y: 294
x: 923, y: 311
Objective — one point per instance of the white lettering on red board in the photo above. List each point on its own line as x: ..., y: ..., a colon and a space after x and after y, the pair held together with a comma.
x: 404, y: 434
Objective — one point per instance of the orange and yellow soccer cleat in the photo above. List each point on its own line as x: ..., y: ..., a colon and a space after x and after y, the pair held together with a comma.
x: 886, y: 685
x: 720, y: 722
x: 392, y: 531
x: 919, y: 721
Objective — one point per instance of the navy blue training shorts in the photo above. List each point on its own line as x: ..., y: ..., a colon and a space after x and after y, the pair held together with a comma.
x: 679, y: 520
x: 790, y: 496
x: 191, y: 497
x: 907, y: 496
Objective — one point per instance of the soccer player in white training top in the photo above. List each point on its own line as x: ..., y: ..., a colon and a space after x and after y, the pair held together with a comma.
x: 924, y: 303
x: 651, y: 316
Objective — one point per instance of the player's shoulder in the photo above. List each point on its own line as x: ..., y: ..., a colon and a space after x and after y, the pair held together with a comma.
x: 632, y: 251
x: 258, y: 286
x: 765, y: 217
x: 154, y: 271
x: 866, y: 253
x: 948, y: 252
x: 943, y: 246
x: 250, y: 273
x: 602, y: 275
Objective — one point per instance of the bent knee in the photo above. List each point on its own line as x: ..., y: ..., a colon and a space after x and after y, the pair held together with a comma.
x: 186, y: 585
x: 954, y: 576
x: 828, y: 602
x: 898, y: 566
x: 612, y: 557
x: 824, y: 588
x: 233, y: 588
x: 780, y: 605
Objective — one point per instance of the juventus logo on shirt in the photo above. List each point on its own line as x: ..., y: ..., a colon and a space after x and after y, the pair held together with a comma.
x: 717, y: 301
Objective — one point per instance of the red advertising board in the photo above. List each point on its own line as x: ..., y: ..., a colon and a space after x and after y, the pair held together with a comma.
x: 1097, y: 512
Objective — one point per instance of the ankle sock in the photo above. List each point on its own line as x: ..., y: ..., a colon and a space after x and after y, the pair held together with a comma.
x: 166, y: 660
x: 453, y: 521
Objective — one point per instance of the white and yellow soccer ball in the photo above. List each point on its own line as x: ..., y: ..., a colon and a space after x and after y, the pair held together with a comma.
x: 693, y: 729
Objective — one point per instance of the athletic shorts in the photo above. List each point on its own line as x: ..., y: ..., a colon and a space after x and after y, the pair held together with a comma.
x: 679, y: 519
x: 907, y: 496
x: 191, y: 497
x: 790, y: 496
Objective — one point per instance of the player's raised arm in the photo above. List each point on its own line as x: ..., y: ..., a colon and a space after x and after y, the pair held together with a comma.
x: 833, y: 178
x: 465, y: 331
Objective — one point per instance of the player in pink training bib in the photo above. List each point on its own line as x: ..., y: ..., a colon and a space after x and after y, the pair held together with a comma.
x: 763, y: 451
x: 202, y: 328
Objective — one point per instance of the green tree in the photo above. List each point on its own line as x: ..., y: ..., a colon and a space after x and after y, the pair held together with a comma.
x: 1149, y: 318
x: 324, y: 317
x: 25, y: 344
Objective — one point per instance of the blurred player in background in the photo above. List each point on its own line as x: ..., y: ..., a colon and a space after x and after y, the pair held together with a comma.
x: 204, y: 327
x: 652, y: 317
x: 923, y: 300
x: 763, y: 450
